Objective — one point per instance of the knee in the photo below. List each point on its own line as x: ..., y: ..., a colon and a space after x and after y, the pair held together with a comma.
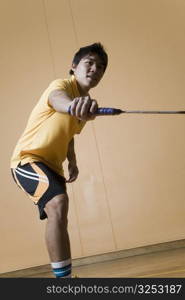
x: 57, y: 207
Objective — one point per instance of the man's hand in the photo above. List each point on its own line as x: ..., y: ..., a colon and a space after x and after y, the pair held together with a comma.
x: 73, y: 172
x: 83, y: 108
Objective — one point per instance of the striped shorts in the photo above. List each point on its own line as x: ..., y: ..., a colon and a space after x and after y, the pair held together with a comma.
x: 40, y: 183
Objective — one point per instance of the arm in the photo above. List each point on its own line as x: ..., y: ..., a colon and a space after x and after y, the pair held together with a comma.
x: 60, y: 101
x: 72, y: 167
x: 71, y: 156
x: 81, y: 107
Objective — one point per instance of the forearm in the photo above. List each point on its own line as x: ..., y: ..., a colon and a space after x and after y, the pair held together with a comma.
x: 60, y: 101
x: 71, y: 156
x: 80, y: 107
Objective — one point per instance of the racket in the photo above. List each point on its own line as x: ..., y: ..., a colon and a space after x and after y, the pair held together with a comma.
x: 108, y: 111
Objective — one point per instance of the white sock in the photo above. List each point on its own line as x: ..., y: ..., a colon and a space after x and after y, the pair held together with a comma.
x: 62, y: 269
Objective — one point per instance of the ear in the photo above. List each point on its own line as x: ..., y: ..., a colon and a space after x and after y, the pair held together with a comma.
x: 73, y: 67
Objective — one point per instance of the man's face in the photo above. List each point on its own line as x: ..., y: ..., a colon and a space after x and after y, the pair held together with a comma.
x: 89, y: 71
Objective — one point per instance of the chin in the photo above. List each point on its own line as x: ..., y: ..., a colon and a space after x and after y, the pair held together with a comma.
x: 94, y: 84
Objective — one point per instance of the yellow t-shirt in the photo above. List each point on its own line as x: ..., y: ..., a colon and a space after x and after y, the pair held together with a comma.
x: 48, y: 133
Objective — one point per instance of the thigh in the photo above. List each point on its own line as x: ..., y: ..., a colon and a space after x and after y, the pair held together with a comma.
x: 40, y: 183
x: 58, y: 206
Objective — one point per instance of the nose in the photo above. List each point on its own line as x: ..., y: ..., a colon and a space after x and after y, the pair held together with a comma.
x: 93, y: 68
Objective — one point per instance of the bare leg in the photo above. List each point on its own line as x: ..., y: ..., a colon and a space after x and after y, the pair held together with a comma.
x: 57, y: 238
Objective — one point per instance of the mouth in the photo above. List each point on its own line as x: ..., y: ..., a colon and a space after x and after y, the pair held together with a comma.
x: 92, y: 77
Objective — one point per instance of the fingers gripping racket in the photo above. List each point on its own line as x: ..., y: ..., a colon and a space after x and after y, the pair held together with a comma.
x: 108, y: 111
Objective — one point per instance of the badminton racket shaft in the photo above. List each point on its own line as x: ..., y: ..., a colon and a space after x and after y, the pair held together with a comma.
x: 114, y: 111
x: 108, y: 111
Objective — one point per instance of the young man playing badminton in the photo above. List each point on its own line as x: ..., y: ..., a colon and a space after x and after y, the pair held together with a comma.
x: 46, y: 142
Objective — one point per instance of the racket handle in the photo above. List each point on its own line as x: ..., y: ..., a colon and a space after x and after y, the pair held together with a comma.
x: 104, y: 111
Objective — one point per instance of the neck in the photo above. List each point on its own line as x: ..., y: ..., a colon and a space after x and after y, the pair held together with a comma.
x: 83, y: 90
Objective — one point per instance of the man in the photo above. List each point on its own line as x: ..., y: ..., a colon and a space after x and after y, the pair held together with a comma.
x: 46, y: 142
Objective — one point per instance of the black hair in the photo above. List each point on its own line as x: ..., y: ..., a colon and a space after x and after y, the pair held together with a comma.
x: 93, y: 48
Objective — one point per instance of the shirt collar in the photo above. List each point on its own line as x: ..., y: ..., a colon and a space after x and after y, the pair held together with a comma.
x: 74, y: 85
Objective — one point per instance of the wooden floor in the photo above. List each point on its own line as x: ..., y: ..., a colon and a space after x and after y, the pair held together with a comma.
x: 166, y: 264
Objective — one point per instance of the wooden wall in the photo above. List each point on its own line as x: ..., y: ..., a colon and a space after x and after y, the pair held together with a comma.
x: 130, y: 190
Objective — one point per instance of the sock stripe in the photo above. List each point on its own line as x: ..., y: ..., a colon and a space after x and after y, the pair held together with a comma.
x: 63, y: 268
x: 62, y: 274
x: 61, y: 264
x: 62, y: 271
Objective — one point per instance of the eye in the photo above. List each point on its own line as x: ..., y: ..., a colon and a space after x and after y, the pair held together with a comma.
x: 89, y: 62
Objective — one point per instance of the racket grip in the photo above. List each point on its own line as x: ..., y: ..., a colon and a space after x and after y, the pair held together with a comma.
x: 107, y: 111
x: 104, y: 111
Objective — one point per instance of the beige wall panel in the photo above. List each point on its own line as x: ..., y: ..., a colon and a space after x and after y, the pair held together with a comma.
x: 145, y: 185
x: 26, y: 68
x: 141, y: 156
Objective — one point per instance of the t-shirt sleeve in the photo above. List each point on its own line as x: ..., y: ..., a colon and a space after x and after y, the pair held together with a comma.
x: 58, y: 84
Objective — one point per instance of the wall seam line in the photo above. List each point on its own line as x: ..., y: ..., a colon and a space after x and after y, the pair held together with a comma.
x: 49, y: 38
x: 73, y: 23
